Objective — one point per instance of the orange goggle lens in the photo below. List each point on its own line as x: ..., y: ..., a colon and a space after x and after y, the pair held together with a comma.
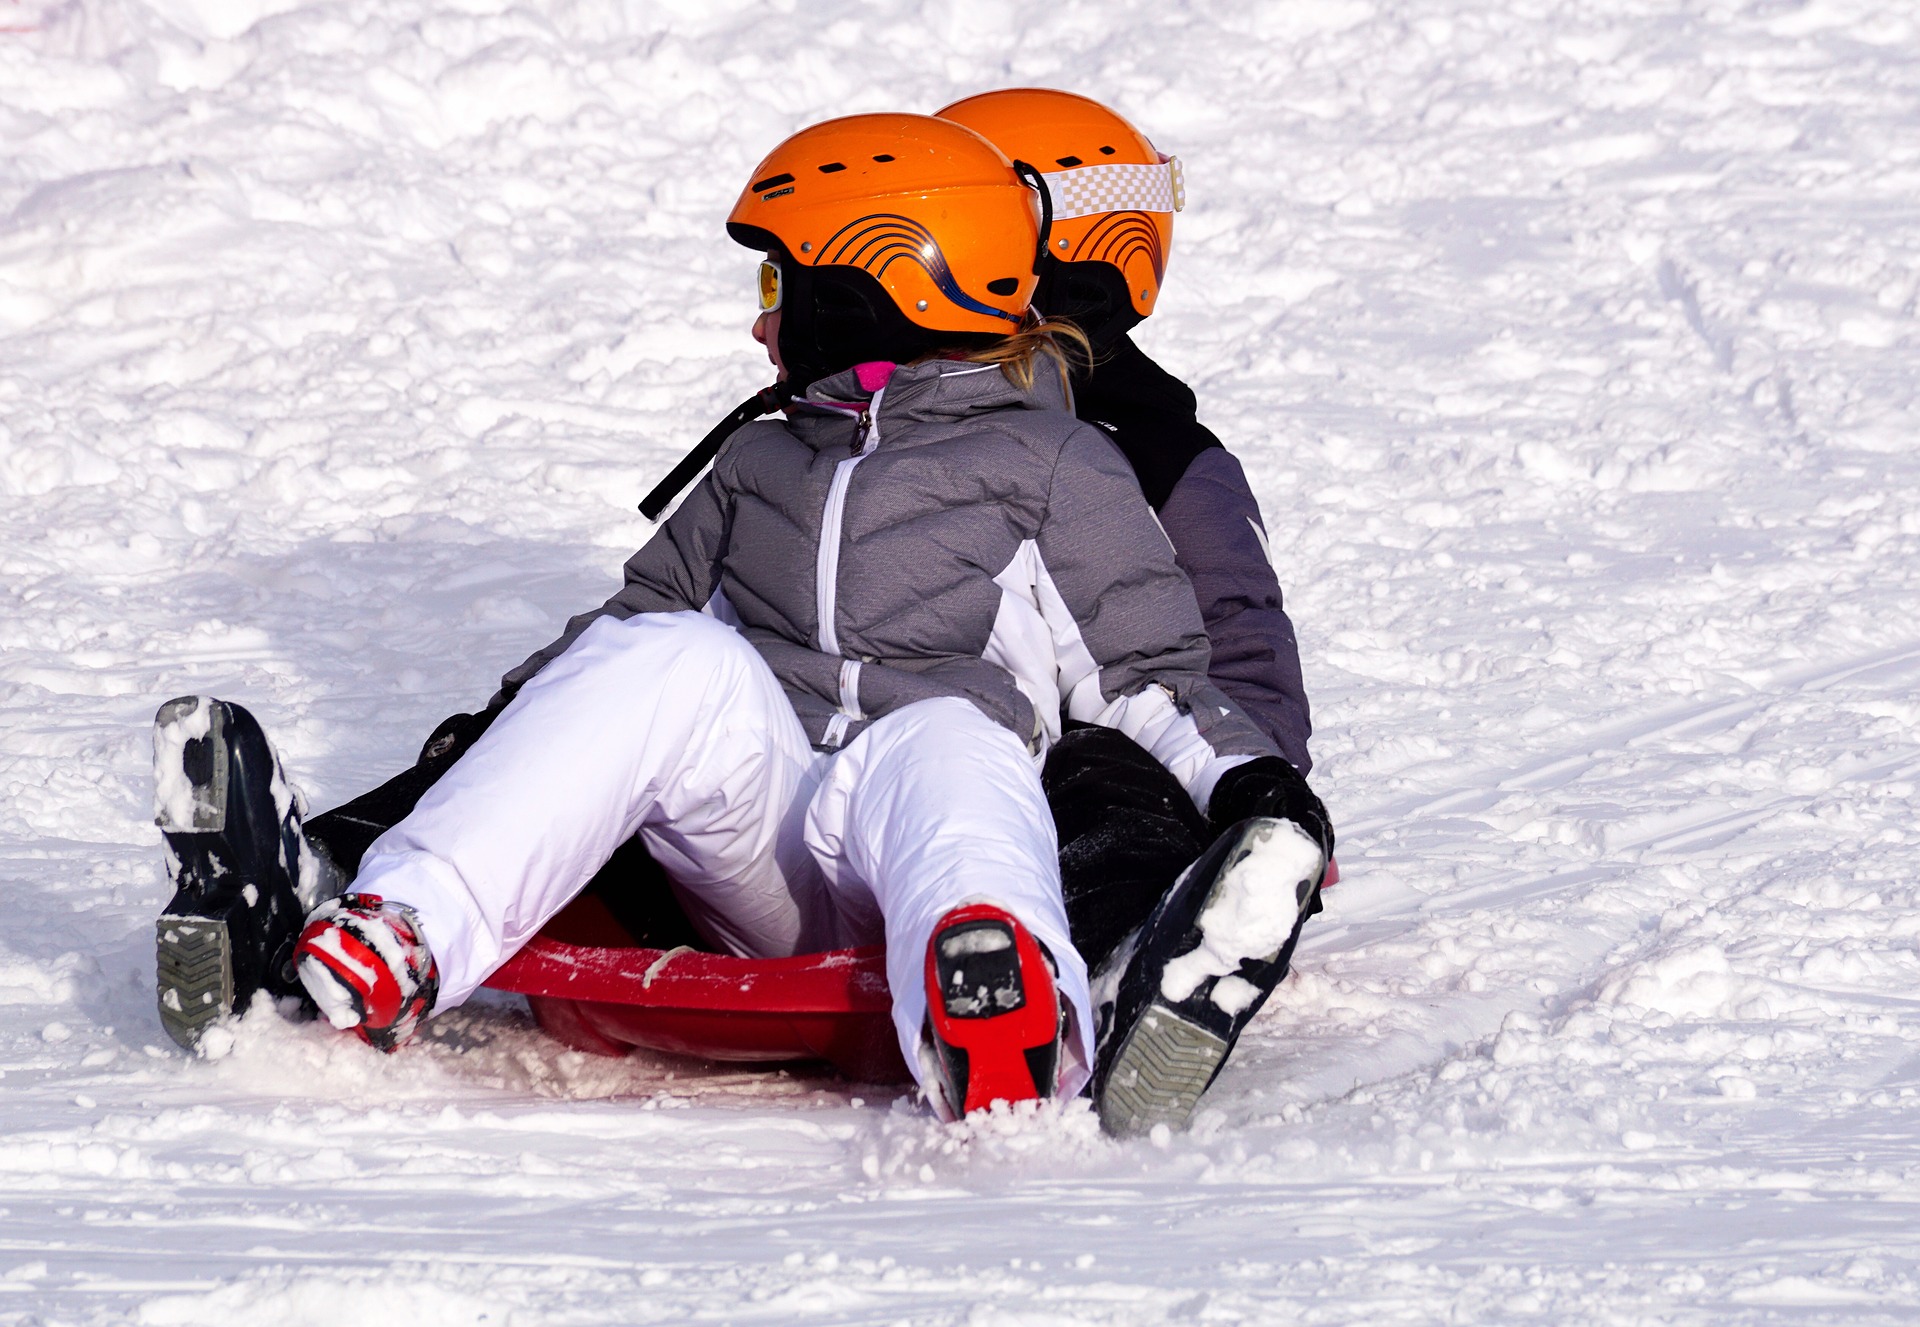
x: 769, y: 286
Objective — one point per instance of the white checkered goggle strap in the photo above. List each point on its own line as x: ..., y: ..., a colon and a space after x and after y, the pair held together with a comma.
x: 1087, y: 190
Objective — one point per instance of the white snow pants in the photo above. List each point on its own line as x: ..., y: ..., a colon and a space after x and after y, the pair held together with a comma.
x: 670, y: 725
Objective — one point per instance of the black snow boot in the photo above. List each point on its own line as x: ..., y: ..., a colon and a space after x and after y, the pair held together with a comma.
x: 244, y: 875
x: 1205, y: 961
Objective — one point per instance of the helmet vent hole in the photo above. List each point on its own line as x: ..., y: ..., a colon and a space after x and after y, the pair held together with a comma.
x: 833, y: 166
x: 771, y: 181
x: 1006, y: 285
x: 1106, y: 151
x: 1068, y: 162
x: 883, y: 156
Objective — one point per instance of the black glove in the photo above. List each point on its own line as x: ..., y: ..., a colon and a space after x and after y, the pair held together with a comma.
x: 1268, y: 786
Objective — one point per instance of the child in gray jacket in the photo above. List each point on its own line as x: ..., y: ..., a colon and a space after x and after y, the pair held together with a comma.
x: 822, y: 695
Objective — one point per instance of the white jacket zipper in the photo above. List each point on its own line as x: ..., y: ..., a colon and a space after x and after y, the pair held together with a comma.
x: 827, y: 563
x: 850, y: 711
x: 850, y: 689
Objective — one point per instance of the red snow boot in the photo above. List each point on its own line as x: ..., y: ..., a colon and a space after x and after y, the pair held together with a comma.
x: 994, y: 1016
x: 365, y: 963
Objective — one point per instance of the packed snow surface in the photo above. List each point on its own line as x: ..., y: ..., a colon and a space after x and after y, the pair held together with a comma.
x: 1570, y: 346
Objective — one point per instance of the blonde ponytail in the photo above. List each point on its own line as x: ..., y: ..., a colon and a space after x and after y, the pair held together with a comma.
x: 1019, y: 355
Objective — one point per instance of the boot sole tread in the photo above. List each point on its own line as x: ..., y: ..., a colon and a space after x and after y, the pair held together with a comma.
x: 195, y: 963
x: 1159, y: 1073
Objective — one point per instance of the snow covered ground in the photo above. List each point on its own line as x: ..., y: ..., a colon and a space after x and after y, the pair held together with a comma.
x: 1571, y: 345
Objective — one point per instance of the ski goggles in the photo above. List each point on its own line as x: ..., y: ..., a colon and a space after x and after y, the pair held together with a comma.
x: 1086, y: 191
x: 769, y: 286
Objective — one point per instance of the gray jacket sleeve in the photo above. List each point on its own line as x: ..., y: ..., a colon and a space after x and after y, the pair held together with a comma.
x: 679, y: 568
x: 1220, y: 542
x: 1134, y: 652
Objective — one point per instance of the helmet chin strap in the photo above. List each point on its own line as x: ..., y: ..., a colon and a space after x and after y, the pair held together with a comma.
x: 1035, y: 181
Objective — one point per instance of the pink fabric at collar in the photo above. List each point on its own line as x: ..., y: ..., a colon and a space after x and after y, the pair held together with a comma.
x: 873, y: 375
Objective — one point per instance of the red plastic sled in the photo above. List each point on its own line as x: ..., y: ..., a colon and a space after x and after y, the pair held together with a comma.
x: 593, y: 989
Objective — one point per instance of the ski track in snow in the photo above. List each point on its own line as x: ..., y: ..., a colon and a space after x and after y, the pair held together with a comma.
x: 1570, y: 346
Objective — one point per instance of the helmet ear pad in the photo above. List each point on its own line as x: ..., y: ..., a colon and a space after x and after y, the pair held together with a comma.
x: 1093, y: 295
x: 832, y: 318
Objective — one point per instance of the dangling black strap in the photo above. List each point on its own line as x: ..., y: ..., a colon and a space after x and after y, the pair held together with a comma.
x: 763, y: 402
x: 1038, y: 184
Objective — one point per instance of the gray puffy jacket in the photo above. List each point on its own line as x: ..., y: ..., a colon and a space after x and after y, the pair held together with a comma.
x: 939, y: 531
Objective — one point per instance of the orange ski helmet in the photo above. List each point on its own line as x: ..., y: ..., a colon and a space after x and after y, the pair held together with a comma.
x: 1113, y: 196
x: 895, y: 235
